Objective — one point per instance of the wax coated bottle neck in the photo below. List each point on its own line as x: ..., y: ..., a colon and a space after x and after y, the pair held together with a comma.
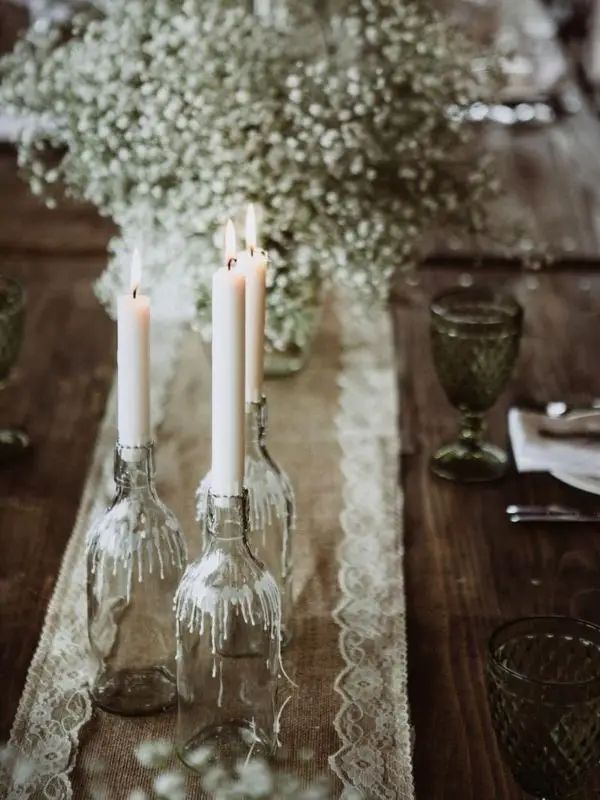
x: 227, y: 520
x: 134, y: 468
x: 256, y: 424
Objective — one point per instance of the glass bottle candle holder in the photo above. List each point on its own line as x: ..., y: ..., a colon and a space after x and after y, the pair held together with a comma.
x: 136, y: 555
x: 272, y: 509
x: 228, y: 616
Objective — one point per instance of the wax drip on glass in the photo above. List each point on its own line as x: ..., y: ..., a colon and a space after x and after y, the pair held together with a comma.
x: 228, y: 620
x: 252, y: 595
x: 133, y: 540
x: 135, y: 551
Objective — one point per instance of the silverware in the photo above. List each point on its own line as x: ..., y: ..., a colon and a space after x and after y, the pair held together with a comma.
x: 549, y: 513
x: 590, y: 435
x: 560, y: 426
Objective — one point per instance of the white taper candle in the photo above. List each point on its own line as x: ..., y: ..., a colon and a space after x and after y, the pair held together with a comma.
x: 253, y: 263
x: 228, y: 335
x: 133, y: 362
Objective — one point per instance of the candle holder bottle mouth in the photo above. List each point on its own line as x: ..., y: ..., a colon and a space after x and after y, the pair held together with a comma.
x: 227, y: 516
x: 134, y: 465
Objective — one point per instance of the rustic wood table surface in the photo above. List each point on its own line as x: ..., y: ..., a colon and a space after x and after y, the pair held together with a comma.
x: 467, y: 568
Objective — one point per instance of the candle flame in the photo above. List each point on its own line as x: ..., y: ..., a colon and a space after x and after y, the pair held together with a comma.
x: 136, y: 270
x: 230, y: 245
x: 250, y: 228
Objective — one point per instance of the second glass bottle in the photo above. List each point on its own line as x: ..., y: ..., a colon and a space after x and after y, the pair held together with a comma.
x: 228, y: 616
x: 272, y: 509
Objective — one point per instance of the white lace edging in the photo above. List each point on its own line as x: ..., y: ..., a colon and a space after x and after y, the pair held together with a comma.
x: 375, y: 758
x: 55, y: 703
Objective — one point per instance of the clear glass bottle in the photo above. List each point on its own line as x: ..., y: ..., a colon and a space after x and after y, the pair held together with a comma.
x: 136, y: 555
x: 228, y: 614
x: 272, y: 511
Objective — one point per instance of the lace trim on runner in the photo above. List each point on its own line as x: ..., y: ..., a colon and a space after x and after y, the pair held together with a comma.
x: 375, y: 758
x: 55, y: 703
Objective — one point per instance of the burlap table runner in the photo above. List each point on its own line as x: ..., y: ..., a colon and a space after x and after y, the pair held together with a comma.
x: 334, y: 429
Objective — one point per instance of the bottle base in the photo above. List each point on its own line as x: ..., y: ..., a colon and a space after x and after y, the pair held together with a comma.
x: 229, y: 743
x: 135, y: 693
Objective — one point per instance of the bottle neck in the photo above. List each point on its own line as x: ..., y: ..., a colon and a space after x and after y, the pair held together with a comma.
x: 256, y: 425
x: 227, y: 520
x: 134, y: 468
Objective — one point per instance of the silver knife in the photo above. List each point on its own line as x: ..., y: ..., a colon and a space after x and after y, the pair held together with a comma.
x: 549, y: 513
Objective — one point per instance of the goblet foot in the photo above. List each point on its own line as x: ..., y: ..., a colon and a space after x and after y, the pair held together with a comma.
x: 13, y: 443
x: 470, y: 463
x: 135, y: 692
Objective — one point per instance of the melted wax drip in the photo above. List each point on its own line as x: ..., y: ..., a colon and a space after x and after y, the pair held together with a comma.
x: 270, y: 496
x: 129, y: 539
x: 205, y: 609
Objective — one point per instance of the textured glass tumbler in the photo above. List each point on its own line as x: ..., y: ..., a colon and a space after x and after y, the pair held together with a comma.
x: 228, y: 611
x: 475, y: 335
x: 13, y: 441
x: 544, y: 695
x: 135, y: 558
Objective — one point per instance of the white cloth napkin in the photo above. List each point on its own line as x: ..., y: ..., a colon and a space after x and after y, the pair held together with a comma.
x: 537, y: 453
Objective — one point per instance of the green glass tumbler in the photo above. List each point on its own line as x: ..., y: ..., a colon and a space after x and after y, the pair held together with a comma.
x: 543, y: 677
x: 475, y: 336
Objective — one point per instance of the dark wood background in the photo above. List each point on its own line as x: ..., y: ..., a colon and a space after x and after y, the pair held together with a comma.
x: 467, y: 568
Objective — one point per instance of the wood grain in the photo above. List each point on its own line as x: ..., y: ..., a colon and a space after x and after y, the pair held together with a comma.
x: 58, y: 393
x: 467, y: 567
x: 14, y: 19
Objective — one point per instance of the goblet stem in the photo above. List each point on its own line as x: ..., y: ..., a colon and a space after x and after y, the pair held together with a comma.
x: 470, y: 458
x: 472, y: 428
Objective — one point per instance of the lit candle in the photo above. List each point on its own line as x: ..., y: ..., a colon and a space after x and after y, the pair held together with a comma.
x: 253, y: 263
x: 228, y: 314
x: 133, y: 361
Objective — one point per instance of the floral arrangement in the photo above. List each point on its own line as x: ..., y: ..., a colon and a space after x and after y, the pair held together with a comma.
x: 250, y: 778
x: 169, y: 115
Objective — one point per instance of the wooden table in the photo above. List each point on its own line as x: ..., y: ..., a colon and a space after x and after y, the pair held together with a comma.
x: 467, y: 568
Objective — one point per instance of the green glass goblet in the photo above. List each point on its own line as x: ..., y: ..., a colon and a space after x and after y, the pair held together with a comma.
x: 475, y: 335
x: 12, y: 323
x: 543, y: 676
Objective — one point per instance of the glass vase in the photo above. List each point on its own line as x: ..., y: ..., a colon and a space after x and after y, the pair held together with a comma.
x: 136, y: 555
x: 294, y: 312
x: 272, y: 509
x: 228, y: 613
x: 289, y: 342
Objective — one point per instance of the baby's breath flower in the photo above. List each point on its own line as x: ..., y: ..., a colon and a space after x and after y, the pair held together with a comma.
x: 169, y: 116
x: 154, y: 753
x: 170, y: 786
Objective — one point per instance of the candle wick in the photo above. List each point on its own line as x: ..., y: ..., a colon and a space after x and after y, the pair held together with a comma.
x: 231, y: 262
x: 135, y: 288
x: 252, y: 250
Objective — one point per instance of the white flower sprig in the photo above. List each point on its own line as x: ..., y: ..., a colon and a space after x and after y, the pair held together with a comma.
x: 180, y: 112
